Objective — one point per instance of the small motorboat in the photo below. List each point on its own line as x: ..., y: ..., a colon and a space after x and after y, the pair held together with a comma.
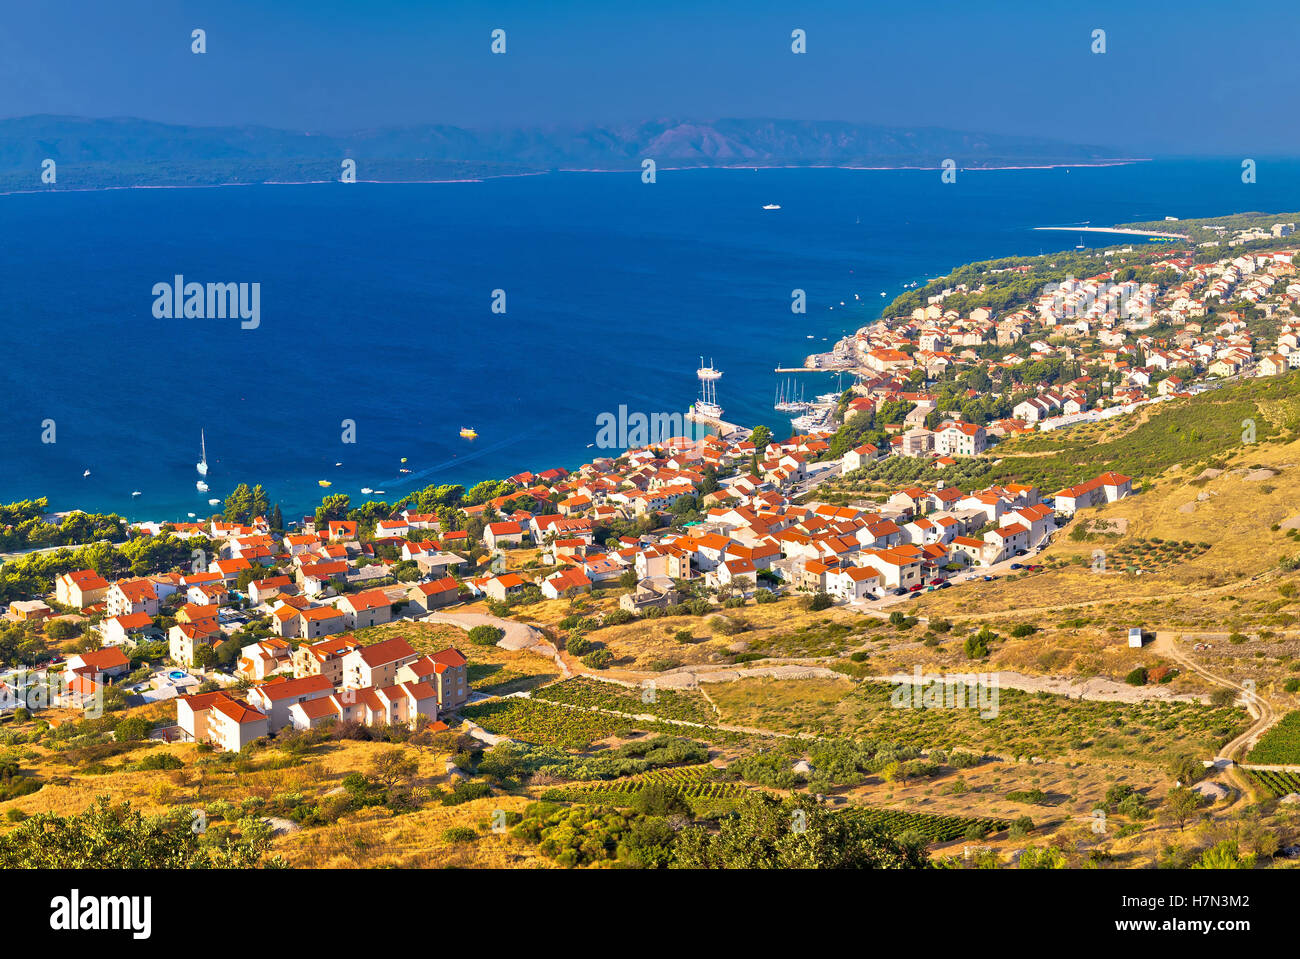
x: 135, y: 492
x: 366, y: 490
x: 771, y: 206
x: 214, y: 502
x: 87, y: 473
x: 468, y: 433
x: 201, y: 486
x: 324, y: 483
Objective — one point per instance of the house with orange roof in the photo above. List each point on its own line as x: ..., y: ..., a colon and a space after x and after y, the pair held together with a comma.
x: 261, y: 659
x: 81, y: 588
x: 220, y: 719
x: 498, y: 535
x: 318, y: 579
x: 504, y: 587
x: 317, y: 621
x: 446, y: 671
x: 900, y: 567
x: 207, y: 594
x: 298, y: 543
x: 185, y: 638
x: 131, y: 596
x: 100, y: 664
x: 324, y: 658
x: 399, y: 704
x: 434, y: 594
x: 1039, y: 520
x: 264, y: 590
x: 391, y: 527
x: 377, y: 665
x: 735, y: 573
x: 1106, y: 488
x: 852, y: 583
x: 369, y: 608
x: 342, y: 530
x: 1005, y: 542
x: 275, y: 697
x: 567, y: 582
x: 125, y: 630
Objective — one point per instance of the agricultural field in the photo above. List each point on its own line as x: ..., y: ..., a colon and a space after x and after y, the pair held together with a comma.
x: 549, y: 724
x: 1280, y: 746
x: 1026, y: 724
x: 934, y: 829
x: 783, y: 628
x: 1274, y: 783
x: 697, y: 785
x: 688, y: 706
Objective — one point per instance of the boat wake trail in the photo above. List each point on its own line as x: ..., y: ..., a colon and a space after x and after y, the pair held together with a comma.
x: 410, y: 478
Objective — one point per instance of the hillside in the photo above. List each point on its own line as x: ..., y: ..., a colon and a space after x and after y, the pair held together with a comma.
x: 129, y: 151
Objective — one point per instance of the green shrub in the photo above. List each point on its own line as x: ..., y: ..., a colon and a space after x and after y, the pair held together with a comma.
x: 598, y: 659
x: 820, y: 601
x: 486, y: 635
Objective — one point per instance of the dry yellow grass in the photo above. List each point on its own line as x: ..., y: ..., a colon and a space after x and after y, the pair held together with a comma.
x: 372, y: 837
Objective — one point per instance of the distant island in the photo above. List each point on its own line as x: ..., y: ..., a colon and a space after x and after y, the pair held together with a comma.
x: 127, y: 152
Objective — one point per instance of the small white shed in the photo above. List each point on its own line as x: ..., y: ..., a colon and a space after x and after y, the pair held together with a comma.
x: 1135, y: 637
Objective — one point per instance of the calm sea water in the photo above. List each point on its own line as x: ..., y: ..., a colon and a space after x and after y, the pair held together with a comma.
x: 375, y: 307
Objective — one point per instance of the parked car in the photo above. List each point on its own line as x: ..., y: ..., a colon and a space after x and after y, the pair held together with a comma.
x: 915, y: 589
x: 936, y: 581
x: 900, y: 592
x: 944, y: 585
x: 988, y: 579
x: 1016, y: 566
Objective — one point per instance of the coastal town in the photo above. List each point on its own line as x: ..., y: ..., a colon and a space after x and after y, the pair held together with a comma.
x: 254, y: 631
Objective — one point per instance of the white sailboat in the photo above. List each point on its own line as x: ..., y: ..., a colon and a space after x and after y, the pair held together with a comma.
x: 202, y: 464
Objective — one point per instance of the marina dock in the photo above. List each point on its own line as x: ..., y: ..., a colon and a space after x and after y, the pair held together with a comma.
x: 725, y: 430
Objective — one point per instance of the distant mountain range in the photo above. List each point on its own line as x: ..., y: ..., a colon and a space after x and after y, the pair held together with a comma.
x: 127, y: 151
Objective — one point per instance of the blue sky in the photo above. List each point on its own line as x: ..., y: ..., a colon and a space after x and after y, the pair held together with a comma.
x: 1176, y: 78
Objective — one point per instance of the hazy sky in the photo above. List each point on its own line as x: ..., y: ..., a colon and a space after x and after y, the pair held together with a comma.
x: 1186, y: 77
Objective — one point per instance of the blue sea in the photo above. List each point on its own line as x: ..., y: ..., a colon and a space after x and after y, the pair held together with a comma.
x: 376, y: 308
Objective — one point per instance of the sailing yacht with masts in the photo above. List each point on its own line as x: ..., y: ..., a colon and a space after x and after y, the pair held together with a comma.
x: 707, y: 404
x: 202, y: 464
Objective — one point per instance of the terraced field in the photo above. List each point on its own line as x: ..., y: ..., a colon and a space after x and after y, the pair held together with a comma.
x: 649, y: 700
x: 1280, y: 746
x: 692, y: 783
x: 1276, y: 784
x: 933, y: 828
x: 549, y: 724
